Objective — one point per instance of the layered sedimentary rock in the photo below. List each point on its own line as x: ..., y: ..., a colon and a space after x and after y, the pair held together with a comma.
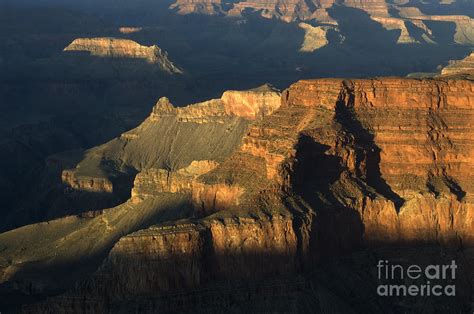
x: 401, y: 16
x: 395, y: 173
x: 90, y: 184
x: 373, y: 7
x: 206, y: 198
x: 207, y: 131
x: 123, y: 48
x: 337, y: 166
x: 406, y: 178
x: 456, y: 67
x: 423, y: 155
x: 193, y: 140
x: 224, y: 243
x: 252, y: 104
x: 464, y: 33
x: 151, y: 181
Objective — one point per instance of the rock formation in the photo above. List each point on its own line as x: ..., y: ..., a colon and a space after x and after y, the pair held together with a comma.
x: 437, y: 143
x: 315, y: 37
x: 402, y: 16
x: 205, y: 131
x: 391, y: 23
x: 86, y: 183
x: 123, y: 48
x: 464, y: 32
x: 241, y: 191
x: 285, y: 10
x: 373, y: 7
x: 460, y: 67
x: 252, y: 104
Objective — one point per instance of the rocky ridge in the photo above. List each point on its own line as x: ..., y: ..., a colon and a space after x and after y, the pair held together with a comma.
x: 404, y: 17
x: 174, y: 138
x: 123, y: 48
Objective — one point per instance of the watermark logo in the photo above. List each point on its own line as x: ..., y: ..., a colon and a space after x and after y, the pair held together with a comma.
x: 430, y: 280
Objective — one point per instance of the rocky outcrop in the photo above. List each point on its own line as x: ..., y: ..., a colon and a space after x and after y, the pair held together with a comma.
x: 457, y: 67
x: 210, y: 131
x: 207, y: 131
x: 197, y: 132
x: 341, y: 141
x: 249, y: 104
x: 206, y: 198
x: 315, y: 37
x: 123, y: 48
x: 90, y: 184
x: 152, y: 181
x: 252, y: 104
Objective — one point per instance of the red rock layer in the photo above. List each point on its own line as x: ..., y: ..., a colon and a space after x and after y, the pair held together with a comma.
x: 410, y: 141
x: 398, y: 153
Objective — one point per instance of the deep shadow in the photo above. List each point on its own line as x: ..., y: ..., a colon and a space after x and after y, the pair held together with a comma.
x: 415, y: 32
x: 31, y: 170
x: 455, y: 188
x: 366, y: 150
x: 37, y: 281
x: 443, y: 32
x: 336, y: 228
x: 356, y: 24
x: 446, y: 185
x: 434, y: 7
x: 262, y: 281
x: 62, y: 200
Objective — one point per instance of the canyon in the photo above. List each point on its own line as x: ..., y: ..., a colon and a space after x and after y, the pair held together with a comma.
x: 257, y: 194
x: 201, y: 157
